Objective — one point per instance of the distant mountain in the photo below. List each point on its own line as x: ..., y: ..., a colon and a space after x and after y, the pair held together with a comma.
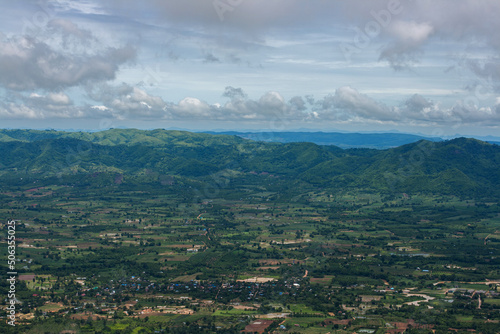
x: 462, y: 167
x: 343, y: 140
x: 120, y: 137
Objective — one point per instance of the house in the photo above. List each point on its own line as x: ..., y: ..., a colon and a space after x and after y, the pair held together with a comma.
x: 257, y: 327
x: 410, y: 323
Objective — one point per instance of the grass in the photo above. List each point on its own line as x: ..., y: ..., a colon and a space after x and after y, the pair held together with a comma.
x: 233, y: 312
x: 301, y: 308
x: 46, y: 284
x: 119, y: 327
x: 306, y: 325
x: 50, y: 307
x: 137, y: 330
x: 492, y: 301
x: 186, y: 278
x: 465, y: 318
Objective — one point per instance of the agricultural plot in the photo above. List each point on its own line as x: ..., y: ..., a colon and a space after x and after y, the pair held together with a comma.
x: 126, y: 256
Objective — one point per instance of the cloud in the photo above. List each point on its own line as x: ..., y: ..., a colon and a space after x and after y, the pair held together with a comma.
x: 18, y: 111
x: 270, y: 107
x: 298, y: 103
x: 70, y: 32
x: 272, y: 101
x: 210, y: 58
x: 53, y: 100
x: 401, y: 39
x: 419, y: 110
x: 119, y: 102
x: 345, y: 105
x: 125, y: 101
x: 417, y: 103
x: 234, y: 93
x: 406, y: 49
x: 348, y: 104
x: 471, y: 114
x: 488, y: 76
x: 191, y: 107
x: 28, y: 63
x: 239, y: 14
x: 35, y: 106
x: 271, y: 110
x: 411, y: 32
x: 80, y: 7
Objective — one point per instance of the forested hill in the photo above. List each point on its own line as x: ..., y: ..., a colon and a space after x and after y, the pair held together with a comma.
x: 464, y: 167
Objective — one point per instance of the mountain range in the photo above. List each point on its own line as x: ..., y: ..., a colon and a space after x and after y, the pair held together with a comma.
x: 463, y: 166
x: 342, y: 140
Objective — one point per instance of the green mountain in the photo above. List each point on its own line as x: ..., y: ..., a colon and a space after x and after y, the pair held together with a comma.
x: 463, y: 167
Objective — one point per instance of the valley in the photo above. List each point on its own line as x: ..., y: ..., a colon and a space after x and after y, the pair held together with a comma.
x: 116, y: 246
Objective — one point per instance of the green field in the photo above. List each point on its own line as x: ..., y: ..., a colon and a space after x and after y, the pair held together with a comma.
x: 154, y: 247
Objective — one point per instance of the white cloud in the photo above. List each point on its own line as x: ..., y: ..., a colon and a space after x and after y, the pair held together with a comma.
x: 52, y: 64
x: 18, y: 111
x: 471, y: 114
x: 411, y: 32
x: 80, y: 6
x: 347, y: 103
x: 418, y: 109
x: 409, y: 36
x: 280, y: 51
x: 36, y: 106
x: 124, y: 101
x: 100, y: 108
x: 59, y: 98
x: 191, y: 107
x: 270, y: 107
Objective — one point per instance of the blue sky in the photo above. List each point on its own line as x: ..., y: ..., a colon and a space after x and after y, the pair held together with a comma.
x: 429, y: 67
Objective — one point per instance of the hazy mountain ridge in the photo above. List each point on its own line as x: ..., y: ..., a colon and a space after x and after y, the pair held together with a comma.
x: 342, y: 140
x: 466, y: 167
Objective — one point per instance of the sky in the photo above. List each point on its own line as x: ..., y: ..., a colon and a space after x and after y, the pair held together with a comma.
x: 430, y: 67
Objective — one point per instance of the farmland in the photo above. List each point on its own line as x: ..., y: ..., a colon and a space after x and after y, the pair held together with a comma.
x: 108, y: 252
